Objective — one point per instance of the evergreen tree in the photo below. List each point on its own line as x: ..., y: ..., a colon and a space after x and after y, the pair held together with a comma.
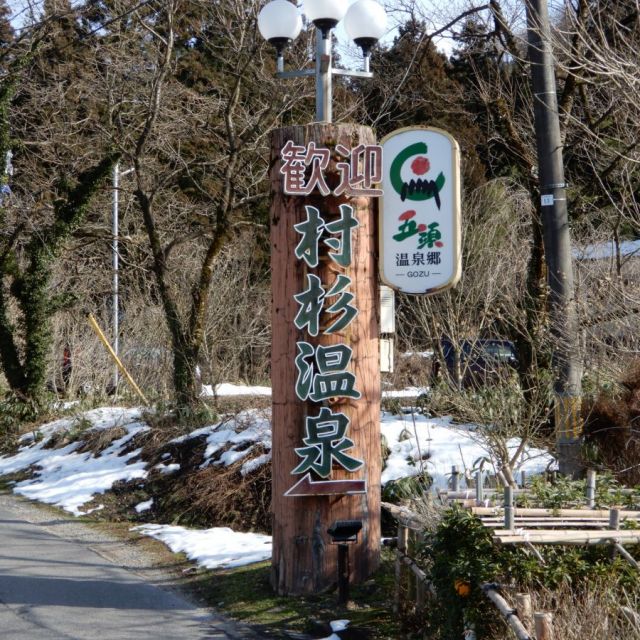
x: 414, y: 86
x: 54, y: 182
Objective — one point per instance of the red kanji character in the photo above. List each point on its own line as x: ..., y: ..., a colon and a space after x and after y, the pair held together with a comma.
x: 319, y: 161
x: 363, y: 170
x: 293, y: 169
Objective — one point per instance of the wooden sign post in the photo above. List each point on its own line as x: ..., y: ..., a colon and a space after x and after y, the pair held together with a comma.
x: 325, y: 352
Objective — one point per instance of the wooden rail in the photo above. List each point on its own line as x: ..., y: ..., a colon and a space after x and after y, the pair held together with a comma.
x: 514, y: 525
x: 561, y: 536
x: 412, y: 583
x: 508, y: 613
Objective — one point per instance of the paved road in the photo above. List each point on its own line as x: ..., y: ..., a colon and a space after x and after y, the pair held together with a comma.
x: 56, y: 582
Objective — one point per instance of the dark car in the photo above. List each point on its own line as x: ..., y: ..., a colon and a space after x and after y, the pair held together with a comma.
x: 472, y: 362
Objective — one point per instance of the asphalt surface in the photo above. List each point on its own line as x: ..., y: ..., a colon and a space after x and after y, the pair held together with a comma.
x: 63, y: 580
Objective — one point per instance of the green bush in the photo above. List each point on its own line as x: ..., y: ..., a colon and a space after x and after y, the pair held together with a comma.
x: 460, y: 556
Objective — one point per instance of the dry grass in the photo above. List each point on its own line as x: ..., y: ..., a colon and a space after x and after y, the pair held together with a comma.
x: 593, y: 613
x: 611, y: 422
x: 410, y: 370
x: 97, y: 440
x: 222, y: 496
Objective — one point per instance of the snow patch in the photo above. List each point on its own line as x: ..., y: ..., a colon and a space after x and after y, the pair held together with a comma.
x: 68, y: 479
x: 228, y: 389
x: 602, y: 250
x: 141, y: 507
x: 434, y: 445
x: 409, y: 392
x: 255, y: 463
x: 212, y: 548
x: 167, y: 468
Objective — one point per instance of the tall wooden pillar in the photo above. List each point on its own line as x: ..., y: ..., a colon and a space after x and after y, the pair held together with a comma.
x: 304, y: 560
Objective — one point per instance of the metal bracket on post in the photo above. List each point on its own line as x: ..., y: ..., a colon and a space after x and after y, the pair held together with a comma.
x: 352, y: 74
x: 304, y: 73
x: 323, y: 73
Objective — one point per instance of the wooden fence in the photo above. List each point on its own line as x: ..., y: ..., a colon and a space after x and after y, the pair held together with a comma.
x: 412, y: 587
x: 515, y: 526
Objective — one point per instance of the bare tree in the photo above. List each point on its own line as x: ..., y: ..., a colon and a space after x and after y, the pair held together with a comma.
x: 57, y: 176
x: 197, y: 143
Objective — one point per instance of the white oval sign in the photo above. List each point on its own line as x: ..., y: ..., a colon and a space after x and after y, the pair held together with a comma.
x: 420, y: 211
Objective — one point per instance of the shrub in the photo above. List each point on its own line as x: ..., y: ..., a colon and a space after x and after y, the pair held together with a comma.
x: 611, y: 429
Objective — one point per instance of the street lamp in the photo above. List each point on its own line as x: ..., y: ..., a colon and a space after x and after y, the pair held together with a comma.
x: 365, y: 22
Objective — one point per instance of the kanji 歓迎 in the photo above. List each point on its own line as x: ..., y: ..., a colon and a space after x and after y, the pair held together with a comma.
x: 363, y: 170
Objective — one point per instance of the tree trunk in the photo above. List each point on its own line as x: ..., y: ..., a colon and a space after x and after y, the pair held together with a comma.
x: 304, y: 561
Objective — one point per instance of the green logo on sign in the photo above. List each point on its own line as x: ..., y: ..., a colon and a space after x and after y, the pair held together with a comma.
x: 417, y: 189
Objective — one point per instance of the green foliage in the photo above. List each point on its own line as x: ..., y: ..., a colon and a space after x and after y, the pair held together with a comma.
x: 425, y: 96
x: 26, y: 371
x: 14, y: 411
x: 567, y: 493
x: 403, y: 489
x: 78, y: 427
x: 563, y: 491
x: 461, y: 549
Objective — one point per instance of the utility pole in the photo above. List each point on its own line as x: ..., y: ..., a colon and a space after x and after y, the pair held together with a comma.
x: 115, y: 256
x: 557, y: 242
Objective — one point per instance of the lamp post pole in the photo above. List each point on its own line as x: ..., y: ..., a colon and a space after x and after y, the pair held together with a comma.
x: 324, y: 89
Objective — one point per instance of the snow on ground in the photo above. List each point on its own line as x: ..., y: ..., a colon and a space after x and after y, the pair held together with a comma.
x: 141, y: 507
x: 212, y: 548
x: 239, y: 435
x: 602, y: 250
x: 409, y: 392
x: 434, y: 445
x: 69, y: 479
x: 226, y: 389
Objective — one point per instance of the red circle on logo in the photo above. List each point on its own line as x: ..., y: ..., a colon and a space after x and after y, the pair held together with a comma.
x: 420, y: 165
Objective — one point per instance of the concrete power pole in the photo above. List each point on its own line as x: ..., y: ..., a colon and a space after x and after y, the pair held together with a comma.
x: 557, y: 241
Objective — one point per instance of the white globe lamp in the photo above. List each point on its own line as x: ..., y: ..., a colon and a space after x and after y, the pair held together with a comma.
x: 325, y: 14
x: 279, y: 23
x: 365, y: 23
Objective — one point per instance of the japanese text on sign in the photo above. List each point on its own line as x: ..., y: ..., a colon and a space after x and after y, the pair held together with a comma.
x: 420, y: 212
x: 322, y: 371
x: 327, y: 308
x: 304, y: 170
